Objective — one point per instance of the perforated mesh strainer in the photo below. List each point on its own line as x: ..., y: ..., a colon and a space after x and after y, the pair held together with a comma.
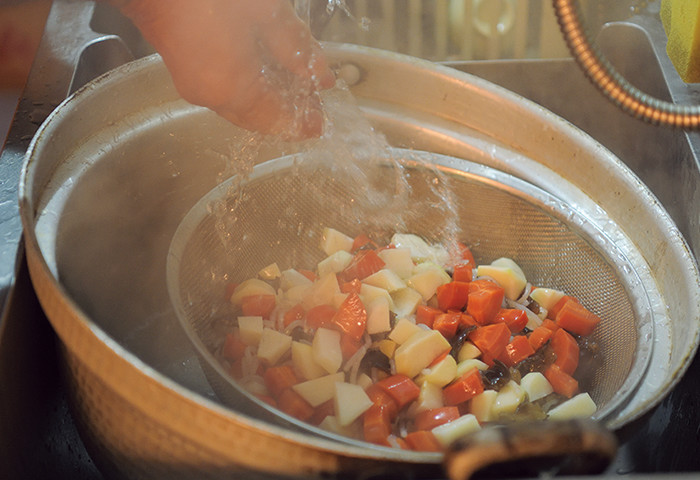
x: 278, y: 213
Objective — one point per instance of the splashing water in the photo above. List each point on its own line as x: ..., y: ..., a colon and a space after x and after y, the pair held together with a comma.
x: 351, y: 171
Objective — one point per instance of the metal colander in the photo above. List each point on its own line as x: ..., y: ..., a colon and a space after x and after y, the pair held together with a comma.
x: 278, y: 212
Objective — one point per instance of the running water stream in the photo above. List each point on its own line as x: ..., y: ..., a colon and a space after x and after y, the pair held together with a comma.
x: 351, y: 168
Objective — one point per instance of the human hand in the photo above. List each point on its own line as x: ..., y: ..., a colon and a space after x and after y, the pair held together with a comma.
x: 251, y: 61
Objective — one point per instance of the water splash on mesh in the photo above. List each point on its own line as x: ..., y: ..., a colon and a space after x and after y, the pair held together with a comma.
x: 350, y: 173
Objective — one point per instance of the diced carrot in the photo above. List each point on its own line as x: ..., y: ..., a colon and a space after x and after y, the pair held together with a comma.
x: 485, y: 300
x: 320, y: 316
x: 550, y: 325
x: 464, y: 388
x: 517, y: 350
x: 349, y: 346
x: 293, y: 314
x: 351, y: 317
x: 566, y: 350
x: 233, y: 348
x: 447, y: 323
x: 466, y: 320
x: 322, y: 411
x: 403, y: 445
x: 291, y: 403
x: 363, y: 264
x: 577, y: 319
x: 463, y: 272
x: 423, y: 441
x: 311, y: 275
x: 452, y: 295
x: 429, y: 419
x: 258, y: 305
x: 361, y: 241
x: 552, y: 312
x: 279, y: 378
x: 539, y: 337
x: 426, y: 314
x: 515, y: 318
x: 562, y: 383
x: 353, y: 286
x: 376, y: 426
x: 401, y: 388
x: 491, y: 340
x: 383, y: 400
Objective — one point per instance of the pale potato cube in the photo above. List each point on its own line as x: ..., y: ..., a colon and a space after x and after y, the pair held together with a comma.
x: 579, y: 406
x: 403, y: 330
x: 270, y: 272
x: 427, y: 280
x: 334, y: 263
x: 398, y: 260
x: 468, y: 351
x: 319, y: 390
x: 406, y: 301
x: 419, y: 351
x: 536, y: 386
x: 510, y: 279
x: 481, y: 405
x: 451, y: 431
x: 430, y: 397
x: 419, y: 248
x: 465, y: 365
x: 365, y: 381
x: 441, y: 373
x: 378, y: 316
x: 508, y: 399
x: 326, y: 349
x: 369, y: 293
x: 273, y: 345
x: 421, y: 251
x: 252, y: 286
x: 332, y: 241
x: 331, y: 424
x: 509, y: 263
x: 387, y: 347
x: 351, y: 401
x: 338, y: 299
x: 546, y: 297
x: 297, y: 293
x: 385, y: 279
x: 322, y: 291
x: 303, y: 360
x: 293, y: 278
x: 250, y: 329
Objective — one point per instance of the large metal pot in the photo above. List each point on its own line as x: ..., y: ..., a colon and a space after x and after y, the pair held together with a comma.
x: 113, y: 170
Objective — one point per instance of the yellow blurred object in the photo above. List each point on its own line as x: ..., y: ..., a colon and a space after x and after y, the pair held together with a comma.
x: 681, y: 20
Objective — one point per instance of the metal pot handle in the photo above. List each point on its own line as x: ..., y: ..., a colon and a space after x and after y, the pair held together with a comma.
x: 62, y: 50
x: 526, y: 449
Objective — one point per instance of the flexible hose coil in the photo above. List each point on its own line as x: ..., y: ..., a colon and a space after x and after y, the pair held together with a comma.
x: 602, y: 74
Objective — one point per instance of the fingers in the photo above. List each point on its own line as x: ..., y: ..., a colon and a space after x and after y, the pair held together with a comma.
x: 290, y: 42
x: 251, y: 61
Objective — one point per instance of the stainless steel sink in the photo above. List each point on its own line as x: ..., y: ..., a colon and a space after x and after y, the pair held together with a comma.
x: 38, y: 437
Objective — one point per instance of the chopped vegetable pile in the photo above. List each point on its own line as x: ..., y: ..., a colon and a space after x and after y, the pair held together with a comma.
x: 404, y: 346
